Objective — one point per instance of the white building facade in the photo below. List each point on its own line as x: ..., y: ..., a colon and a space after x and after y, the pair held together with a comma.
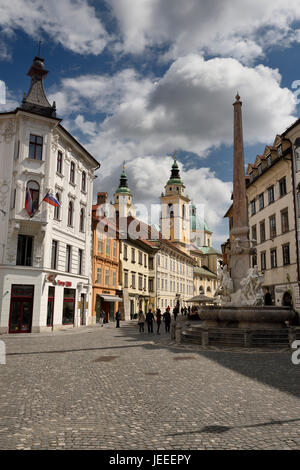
x: 45, y: 259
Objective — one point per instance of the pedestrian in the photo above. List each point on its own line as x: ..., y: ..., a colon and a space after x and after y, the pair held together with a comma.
x: 185, y: 311
x: 182, y: 310
x: 149, y: 320
x: 175, y: 312
x: 141, y: 321
x: 167, y: 320
x: 158, y: 320
x: 118, y: 318
x: 102, y: 316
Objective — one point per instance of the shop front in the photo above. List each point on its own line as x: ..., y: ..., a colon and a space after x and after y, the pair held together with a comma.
x: 21, y: 308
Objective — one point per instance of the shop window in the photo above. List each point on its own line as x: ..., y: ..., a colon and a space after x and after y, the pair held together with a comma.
x: 68, y: 307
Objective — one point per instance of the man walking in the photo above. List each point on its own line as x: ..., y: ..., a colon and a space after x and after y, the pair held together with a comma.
x: 167, y: 320
x: 118, y: 318
x: 158, y: 320
x: 149, y: 320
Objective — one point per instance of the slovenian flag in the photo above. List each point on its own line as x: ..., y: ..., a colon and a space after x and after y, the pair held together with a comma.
x: 51, y: 200
x: 29, y: 203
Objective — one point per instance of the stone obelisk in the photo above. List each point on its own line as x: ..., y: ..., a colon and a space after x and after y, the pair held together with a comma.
x: 240, y: 231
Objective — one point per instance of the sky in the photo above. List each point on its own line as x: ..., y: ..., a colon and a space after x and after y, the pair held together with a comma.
x: 137, y: 80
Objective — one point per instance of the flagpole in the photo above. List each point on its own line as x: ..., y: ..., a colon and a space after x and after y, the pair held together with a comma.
x: 39, y: 205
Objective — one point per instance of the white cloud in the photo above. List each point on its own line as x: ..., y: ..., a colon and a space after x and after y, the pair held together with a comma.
x: 239, y: 28
x: 189, y: 108
x: 72, y: 23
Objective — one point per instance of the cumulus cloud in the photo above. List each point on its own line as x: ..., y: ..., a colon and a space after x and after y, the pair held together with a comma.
x: 72, y: 23
x: 239, y: 28
x: 188, y: 108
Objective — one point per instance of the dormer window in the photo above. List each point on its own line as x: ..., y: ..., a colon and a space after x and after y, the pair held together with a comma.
x: 269, y: 160
x: 259, y: 169
x: 279, y: 151
x: 251, y: 177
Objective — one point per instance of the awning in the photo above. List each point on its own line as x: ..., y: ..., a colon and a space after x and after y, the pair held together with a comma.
x: 111, y: 298
x: 201, y: 299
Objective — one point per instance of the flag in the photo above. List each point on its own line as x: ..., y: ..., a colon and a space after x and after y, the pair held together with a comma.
x: 29, y: 203
x: 51, y: 200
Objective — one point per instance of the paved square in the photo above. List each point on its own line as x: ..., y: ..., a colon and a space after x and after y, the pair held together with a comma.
x: 108, y: 388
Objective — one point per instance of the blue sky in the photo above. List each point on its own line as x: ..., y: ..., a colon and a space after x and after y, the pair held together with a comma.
x: 136, y: 80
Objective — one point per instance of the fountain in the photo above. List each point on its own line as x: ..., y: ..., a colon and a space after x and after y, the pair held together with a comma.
x: 239, y: 316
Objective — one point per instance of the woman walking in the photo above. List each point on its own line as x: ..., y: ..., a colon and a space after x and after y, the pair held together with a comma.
x: 141, y: 321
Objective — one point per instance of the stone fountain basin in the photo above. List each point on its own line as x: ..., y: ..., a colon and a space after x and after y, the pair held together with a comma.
x: 246, y: 316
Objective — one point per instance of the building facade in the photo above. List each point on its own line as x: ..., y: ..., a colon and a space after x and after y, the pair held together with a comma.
x: 272, y: 223
x: 105, y: 264
x: 45, y: 270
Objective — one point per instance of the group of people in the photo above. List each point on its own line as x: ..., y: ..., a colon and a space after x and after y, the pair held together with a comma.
x: 149, y: 319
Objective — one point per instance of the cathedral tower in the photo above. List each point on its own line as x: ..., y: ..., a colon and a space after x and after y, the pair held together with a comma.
x: 123, y: 198
x: 175, y: 210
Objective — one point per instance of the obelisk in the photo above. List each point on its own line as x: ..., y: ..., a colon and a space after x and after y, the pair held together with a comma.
x: 240, y: 230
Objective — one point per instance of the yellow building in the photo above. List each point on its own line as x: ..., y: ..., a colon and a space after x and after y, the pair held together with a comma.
x: 105, y: 265
x: 272, y: 222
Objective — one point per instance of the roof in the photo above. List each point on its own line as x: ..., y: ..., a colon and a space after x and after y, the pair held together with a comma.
x: 196, y: 223
x: 204, y: 272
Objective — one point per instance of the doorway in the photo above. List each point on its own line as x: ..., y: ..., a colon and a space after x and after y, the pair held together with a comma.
x: 21, y: 307
x: 82, y: 309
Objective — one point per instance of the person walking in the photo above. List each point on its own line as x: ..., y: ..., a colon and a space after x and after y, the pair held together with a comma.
x: 102, y: 316
x: 158, y: 320
x: 141, y: 321
x: 175, y: 312
x: 118, y: 318
x: 167, y: 320
x: 149, y: 320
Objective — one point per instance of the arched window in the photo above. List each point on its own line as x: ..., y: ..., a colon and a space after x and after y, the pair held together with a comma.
x: 170, y: 211
x: 70, y: 213
x: 201, y: 290
x: 83, y: 181
x: 81, y: 220
x: 57, y: 209
x: 34, y: 188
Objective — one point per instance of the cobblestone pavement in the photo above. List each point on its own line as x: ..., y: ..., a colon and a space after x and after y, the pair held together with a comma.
x: 108, y: 388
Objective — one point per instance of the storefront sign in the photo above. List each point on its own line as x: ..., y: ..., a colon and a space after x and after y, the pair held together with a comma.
x: 52, y: 278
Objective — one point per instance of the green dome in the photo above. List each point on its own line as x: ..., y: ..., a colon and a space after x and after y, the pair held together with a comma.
x: 123, y: 186
x: 196, y: 223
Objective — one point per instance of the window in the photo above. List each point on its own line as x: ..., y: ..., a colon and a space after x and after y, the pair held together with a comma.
x: 273, y: 254
x: 115, y: 249
x: 57, y: 209
x: 59, y: 162
x: 282, y: 187
x: 70, y: 214
x: 151, y: 265
x: 107, y: 246
x: 133, y: 280
x: 83, y: 181
x: 24, y: 250
x: 253, y: 208
x: 272, y: 220
x: 99, y: 272
x: 99, y: 245
x: 145, y: 261
x: 158, y: 260
x: 284, y: 221
x: 297, y: 154
x: 69, y: 306
x: 140, y: 257
x: 263, y: 260
x: 151, y: 285
x: 261, y: 202
x: 80, y: 261
x: 54, y: 254
x: 271, y: 194
x: 262, y: 229
x: 259, y: 169
x: 254, y: 234
x: 81, y: 220
x: 254, y: 260
x: 125, y: 252
x: 286, y: 254
x: 72, y: 173
x: 50, y: 306
x: 269, y: 160
x: 132, y: 255
x: 35, y: 147
x: 279, y: 151
x: 34, y: 188
x: 68, y: 258
x: 114, y: 282
x: 125, y: 279
x: 107, y: 277
x: 140, y: 282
